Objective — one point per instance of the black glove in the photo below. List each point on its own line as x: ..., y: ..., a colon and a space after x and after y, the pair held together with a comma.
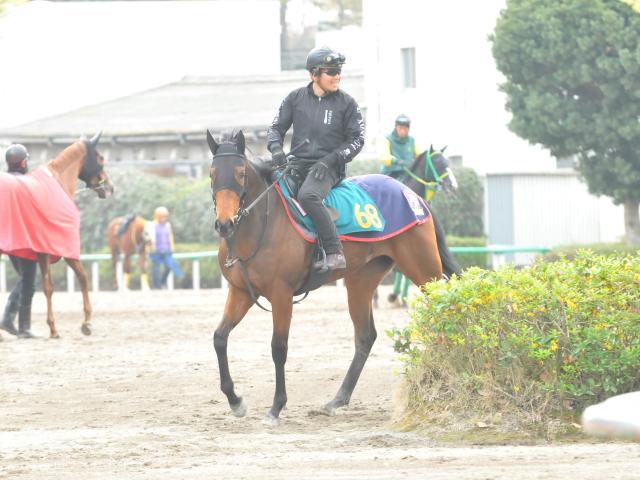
x: 319, y: 170
x: 277, y: 156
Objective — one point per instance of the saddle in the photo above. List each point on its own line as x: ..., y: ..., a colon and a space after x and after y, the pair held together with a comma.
x: 126, y: 221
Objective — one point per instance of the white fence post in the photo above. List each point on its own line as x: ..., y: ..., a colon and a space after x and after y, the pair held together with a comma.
x: 70, y: 280
x: 95, y: 276
x: 120, y: 275
x: 170, y: 281
x: 195, y: 273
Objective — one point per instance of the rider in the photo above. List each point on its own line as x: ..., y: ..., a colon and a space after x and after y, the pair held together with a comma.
x: 398, y: 152
x: 19, y: 301
x: 328, y: 132
x: 398, y: 149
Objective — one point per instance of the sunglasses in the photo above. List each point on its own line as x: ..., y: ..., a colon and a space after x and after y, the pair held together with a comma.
x: 331, y: 71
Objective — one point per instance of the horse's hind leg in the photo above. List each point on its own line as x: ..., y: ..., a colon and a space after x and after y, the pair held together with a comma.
x: 76, y: 266
x: 361, y: 286
x: 47, y: 288
x: 416, y: 254
x: 237, y: 305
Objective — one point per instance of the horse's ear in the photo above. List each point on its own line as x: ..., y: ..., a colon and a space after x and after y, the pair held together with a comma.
x: 213, y: 146
x: 96, y: 138
x: 431, y: 150
x: 240, y: 141
x: 443, y: 148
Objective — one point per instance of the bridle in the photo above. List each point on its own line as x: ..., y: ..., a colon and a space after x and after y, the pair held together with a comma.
x: 228, y: 182
x: 91, y: 169
x: 429, y: 167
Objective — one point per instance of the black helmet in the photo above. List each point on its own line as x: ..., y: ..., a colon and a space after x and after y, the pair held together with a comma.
x: 324, y: 57
x: 15, y: 154
x: 402, y: 119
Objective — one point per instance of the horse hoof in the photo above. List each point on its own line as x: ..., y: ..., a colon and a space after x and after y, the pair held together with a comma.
x: 55, y: 336
x: 270, y: 421
x: 328, y: 410
x: 239, y: 410
x: 392, y: 298
x: 86, y: 328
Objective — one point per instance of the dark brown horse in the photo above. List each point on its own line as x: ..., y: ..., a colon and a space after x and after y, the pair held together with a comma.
x: 126, y: 235
x: 262, y: 255
x: 430, y: 172
x: 79, y: 160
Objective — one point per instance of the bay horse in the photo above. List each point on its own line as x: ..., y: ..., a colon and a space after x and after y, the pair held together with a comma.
x: 126, y: 235
x: 430, y: 172
x: 80, y: 160
x: 261, y: 254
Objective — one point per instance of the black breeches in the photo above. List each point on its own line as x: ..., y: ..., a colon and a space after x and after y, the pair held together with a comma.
x: 311, y: 194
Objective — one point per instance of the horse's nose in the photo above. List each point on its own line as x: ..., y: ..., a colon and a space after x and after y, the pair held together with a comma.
x: 224, y: 228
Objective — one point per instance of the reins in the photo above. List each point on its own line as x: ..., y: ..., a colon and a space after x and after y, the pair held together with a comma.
x: 430, y: 186
x: 231, y: 259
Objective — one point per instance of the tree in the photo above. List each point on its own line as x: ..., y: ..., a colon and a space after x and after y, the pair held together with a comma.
x: 572, y: 73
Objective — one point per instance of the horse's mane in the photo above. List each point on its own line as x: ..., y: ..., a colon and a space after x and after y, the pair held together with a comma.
x: 69, y: 154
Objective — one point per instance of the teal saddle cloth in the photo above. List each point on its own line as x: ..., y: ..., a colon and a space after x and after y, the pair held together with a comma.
x: 370, y: 208
x: 357, y: 211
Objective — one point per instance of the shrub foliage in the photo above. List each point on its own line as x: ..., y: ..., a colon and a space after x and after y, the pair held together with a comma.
x: 540, y: 343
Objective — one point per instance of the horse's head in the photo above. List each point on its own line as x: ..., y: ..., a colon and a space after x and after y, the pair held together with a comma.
x: 228, y: 180
x: 92, y: 171
x: 431, y: 170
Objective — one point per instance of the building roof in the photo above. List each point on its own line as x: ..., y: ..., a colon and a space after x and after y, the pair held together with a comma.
x: 186, y: 107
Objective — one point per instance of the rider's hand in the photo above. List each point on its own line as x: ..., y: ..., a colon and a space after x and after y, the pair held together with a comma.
x: 278, y: 156
x: 319, y: 170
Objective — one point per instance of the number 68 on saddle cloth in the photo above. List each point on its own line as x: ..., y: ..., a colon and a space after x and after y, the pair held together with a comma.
x: 369, y: 207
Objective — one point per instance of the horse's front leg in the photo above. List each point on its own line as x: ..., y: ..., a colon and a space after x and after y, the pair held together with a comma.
x: 126, y: 268
x: 282, y: 307
x: 83, y: 280
x: 237, y: 305
x: 47, y: 288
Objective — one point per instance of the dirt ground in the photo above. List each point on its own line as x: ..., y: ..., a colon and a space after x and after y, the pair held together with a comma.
x: 140, y: 400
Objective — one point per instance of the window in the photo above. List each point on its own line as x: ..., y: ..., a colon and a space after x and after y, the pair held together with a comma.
x: 408, y: 67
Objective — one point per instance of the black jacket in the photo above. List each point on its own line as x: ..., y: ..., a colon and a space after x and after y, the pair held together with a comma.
x: 333, y: 124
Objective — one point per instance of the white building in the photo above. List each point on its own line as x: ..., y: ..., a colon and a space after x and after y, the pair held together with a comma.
x: 432, y: 61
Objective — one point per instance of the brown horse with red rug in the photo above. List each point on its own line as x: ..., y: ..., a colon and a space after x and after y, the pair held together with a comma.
x: 263, y: 253
x: 41, y: 221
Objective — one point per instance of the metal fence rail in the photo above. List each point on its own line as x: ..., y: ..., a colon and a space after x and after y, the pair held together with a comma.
x: 499, y: 254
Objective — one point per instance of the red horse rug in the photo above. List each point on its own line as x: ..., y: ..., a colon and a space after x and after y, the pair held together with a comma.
x: 37, y: 216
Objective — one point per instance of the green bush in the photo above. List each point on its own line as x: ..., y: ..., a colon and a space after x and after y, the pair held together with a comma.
x: 537, y: 344
x: 570, y: 251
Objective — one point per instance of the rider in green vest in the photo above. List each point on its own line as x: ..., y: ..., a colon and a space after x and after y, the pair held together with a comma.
x: 398, y: 149
x: 397, y: 152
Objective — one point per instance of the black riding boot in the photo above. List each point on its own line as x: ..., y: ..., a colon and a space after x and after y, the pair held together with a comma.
x: 24, y: 322
x: 10, y: 312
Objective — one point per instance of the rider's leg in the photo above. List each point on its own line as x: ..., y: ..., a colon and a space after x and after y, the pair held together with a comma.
x: 311, y: 194
x: 13, y: 302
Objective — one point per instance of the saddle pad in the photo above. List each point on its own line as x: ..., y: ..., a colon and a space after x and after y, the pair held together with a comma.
x: 37, y: 215
x: 394, y: 208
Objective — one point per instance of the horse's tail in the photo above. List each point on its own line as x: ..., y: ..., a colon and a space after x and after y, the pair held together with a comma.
x: 449, y: 263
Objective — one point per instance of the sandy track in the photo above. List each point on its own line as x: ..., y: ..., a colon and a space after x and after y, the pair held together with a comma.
x: 140, y: 400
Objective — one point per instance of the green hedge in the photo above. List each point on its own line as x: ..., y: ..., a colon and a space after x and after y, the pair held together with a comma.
x: 534, y: 346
